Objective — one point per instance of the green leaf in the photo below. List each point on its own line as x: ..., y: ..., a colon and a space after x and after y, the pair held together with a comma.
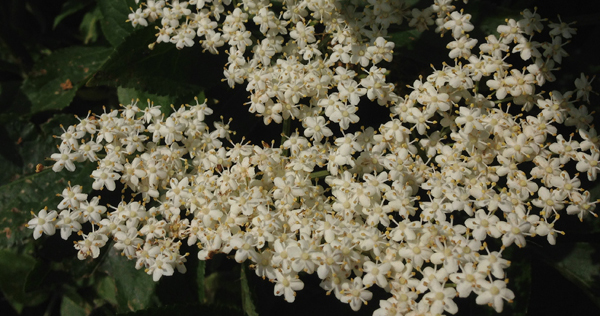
x: 29, y: 194
x: 519, y: 274
x: 13, y: 268
x: 70, y: 7
x: 69, y: 307
x: 163, y: 70
x: 166, y: 103
x: 488, y: 15
x: 127, y: 95
x: 247, y: 294
x: 113, y: 23
x: 107, y: 289
x: 88, y: 26
x: 55, y: 79
x: 405, y: 39
x: 10, y: 157
x: 36, y: 277
x: 134, y: 288
x: 8, y: 89
x: 24, y: 146
x: 576, y: 263
x: 30, y: 191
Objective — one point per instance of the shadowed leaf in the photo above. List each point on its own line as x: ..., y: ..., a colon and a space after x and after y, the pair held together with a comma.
x: 164, y: 70
x: 114, y: 15
x: 134, y: 288
x: 13, y: 268
x: 55, y: 79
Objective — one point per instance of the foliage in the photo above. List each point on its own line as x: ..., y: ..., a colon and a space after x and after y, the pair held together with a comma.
x: 61, y: 60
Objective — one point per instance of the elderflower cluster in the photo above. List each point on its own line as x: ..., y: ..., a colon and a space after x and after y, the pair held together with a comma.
x: 470, y: 154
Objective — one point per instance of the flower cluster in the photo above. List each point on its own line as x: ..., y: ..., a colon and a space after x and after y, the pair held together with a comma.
x: 412, y: 206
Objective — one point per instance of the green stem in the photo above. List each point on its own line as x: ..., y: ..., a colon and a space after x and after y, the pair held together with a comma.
x: 319, y: 174
x: 504, y: 100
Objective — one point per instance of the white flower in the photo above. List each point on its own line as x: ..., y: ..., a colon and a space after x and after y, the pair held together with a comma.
x: 183, y: 38
x: 468, y: 280
x: 355, y: 293
x: 68, y: 222
x: 162, y: 265
x: 582, y: 205
x: 514, y: 229
x: 493, y: 263
x: 267, y: 203
x: 303, y: 34
x: 91, y: 211
x: 43, y: 222
x: 128, y: 242
x: 72, y: 197
x: 510, y: 32
x: 381, y: 50
x: 589, y: 164
x: 563, y: 29
x: 459, y: 24
x: 440, y: 298
x: 344, y: 115
x: 461, y: 47
x: 316, y: 128
x: 90, y: 245
x: 287, y: 285
x: 493, y: 47
x: 376, y: 273
x: 64, y: 159
x: 245, y: 247
x: 550, y: 201
x: 584, y: 87
x: 138, y: 17
x: 421, y: 19
x: 104, y: 178
x: 494, y: 294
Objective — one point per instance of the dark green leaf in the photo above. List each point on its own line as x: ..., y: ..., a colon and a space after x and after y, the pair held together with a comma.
x: 8, y: 91
x: 30, y: 191
x: 128, y: 95
x: 13, y: 268
x: 404, y: 39
x: 223, y: 288
x: 107, y: 289
x: 55, y: 80
x: 69, y: 307
x: 135, y: 288
x: 10, y: 149
x: 24, y: 146
x: 70, y: 7
x: 29, y: 194
x: 519, y: 274
x: 578, y: 263
x: 88, y: 26
x: 36, y: 277
x: 163, y: 70
x: 113, y: 23
x: 488, y: 15
x: 82, y: 270
x: 166, y: 103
